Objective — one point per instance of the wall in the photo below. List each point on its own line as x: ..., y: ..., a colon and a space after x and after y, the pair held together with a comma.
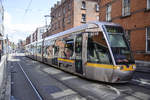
x: 3, y: 75
x: 136, y: 23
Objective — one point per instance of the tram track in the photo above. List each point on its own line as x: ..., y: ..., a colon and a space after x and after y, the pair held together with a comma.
x: 21, y: 86
x: 78, y: 92
x: 33, y: 87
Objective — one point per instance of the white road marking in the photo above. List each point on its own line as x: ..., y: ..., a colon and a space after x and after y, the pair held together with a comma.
x: 40, y: 98
x: 67, y: 78
x: 52, y: 71
x: 63, y: 93
x: 142, y: 82
x: 115, y: 89
x: 91, y: 97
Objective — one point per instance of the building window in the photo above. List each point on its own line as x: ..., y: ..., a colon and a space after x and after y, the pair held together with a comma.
x: 64, y: 10
x: 125, y: 7
x: 97, y: 7
x: 83, y: 18
x: 69, y: 6
x: 83, y: 5
x: 108, y: 13
x: 148, y: 39
x: 148, y: 4
x: 69, y: 20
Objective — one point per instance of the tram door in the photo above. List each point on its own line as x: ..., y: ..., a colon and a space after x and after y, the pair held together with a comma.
x: 78, y: 52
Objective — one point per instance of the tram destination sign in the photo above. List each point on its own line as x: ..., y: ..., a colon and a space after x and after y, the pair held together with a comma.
x: 114, y: 29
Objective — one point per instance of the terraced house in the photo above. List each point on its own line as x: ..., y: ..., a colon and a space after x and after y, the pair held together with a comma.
x: 134, y: 16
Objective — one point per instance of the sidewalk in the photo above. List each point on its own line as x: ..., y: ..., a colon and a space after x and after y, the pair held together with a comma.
x: 143, y: 66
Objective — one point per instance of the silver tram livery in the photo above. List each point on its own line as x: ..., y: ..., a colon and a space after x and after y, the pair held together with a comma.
x: 96, y: 50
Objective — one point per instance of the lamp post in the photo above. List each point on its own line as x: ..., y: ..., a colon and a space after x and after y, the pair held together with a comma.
x: 46, y: 16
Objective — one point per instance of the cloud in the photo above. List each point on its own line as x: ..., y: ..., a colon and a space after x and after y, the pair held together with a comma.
x: 17, y: 31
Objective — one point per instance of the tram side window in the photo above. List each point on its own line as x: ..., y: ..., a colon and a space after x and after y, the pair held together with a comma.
x: 56, y: 48
x: 68, y: 50
x: 97, y: 50
x: 49, y: 48
x: 39, y: 49
x: 44, y: 50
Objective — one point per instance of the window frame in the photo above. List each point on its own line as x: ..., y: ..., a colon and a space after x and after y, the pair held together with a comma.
x: 147, y: 39
x: 108, y: 12
x: 97, y: 8
x: 148, y: 4
x: 83, y: 6
x: 126, y: 8
x: 83, y: 19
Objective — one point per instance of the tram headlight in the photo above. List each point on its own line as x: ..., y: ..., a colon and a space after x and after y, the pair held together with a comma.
x: 134, y: 67
x: 120, y: 67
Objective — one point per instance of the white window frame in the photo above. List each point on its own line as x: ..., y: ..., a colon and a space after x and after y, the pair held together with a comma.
x: 148, y: 4
x: 147, y: 39
x: 97, y: 7
x: 108, y: 13
x: 83, y: 18
x: 125, y: 8
x: 83, y: 6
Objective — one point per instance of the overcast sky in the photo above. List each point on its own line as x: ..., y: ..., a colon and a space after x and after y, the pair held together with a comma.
x: 21, y: 17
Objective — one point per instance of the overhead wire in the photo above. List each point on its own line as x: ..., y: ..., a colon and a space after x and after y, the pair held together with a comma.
x: 27, y: 9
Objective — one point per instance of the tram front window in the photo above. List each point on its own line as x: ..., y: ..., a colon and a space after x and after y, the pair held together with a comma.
x: 97, y: 50
x: 119, y: 46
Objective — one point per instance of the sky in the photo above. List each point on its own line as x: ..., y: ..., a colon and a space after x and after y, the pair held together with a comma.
x: 22, y: 17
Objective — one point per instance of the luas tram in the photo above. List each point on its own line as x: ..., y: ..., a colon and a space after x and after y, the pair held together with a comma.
x: 96, y: 50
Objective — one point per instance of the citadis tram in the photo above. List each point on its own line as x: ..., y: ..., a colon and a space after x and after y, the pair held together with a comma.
x: 96, y: 50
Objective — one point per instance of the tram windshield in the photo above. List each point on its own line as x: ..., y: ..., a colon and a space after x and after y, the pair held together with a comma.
x: 119, y: 46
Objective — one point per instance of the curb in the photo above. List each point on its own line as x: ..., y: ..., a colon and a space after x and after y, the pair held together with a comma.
x: 8, y: 83
x: 6, y: 86
x: 3, y: 76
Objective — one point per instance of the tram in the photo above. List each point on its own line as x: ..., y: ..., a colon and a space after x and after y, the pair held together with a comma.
x: 96, y: 50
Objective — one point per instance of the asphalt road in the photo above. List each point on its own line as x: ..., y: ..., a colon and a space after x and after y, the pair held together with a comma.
x: 54, y: 84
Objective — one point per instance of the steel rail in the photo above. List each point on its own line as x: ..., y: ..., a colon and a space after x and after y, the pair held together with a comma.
x: 35, y: 90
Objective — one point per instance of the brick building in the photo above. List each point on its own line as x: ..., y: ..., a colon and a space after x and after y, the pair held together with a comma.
x: 70, y: 13
x: 28, y: 40
x: 34, y: 36
x: 134, y: 16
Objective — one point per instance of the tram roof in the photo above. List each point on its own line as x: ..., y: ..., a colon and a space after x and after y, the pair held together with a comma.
x: 81, y: 27
x: 91, y: 24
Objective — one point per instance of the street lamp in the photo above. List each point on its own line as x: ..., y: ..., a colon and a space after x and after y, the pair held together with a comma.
x: 46, y: 16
